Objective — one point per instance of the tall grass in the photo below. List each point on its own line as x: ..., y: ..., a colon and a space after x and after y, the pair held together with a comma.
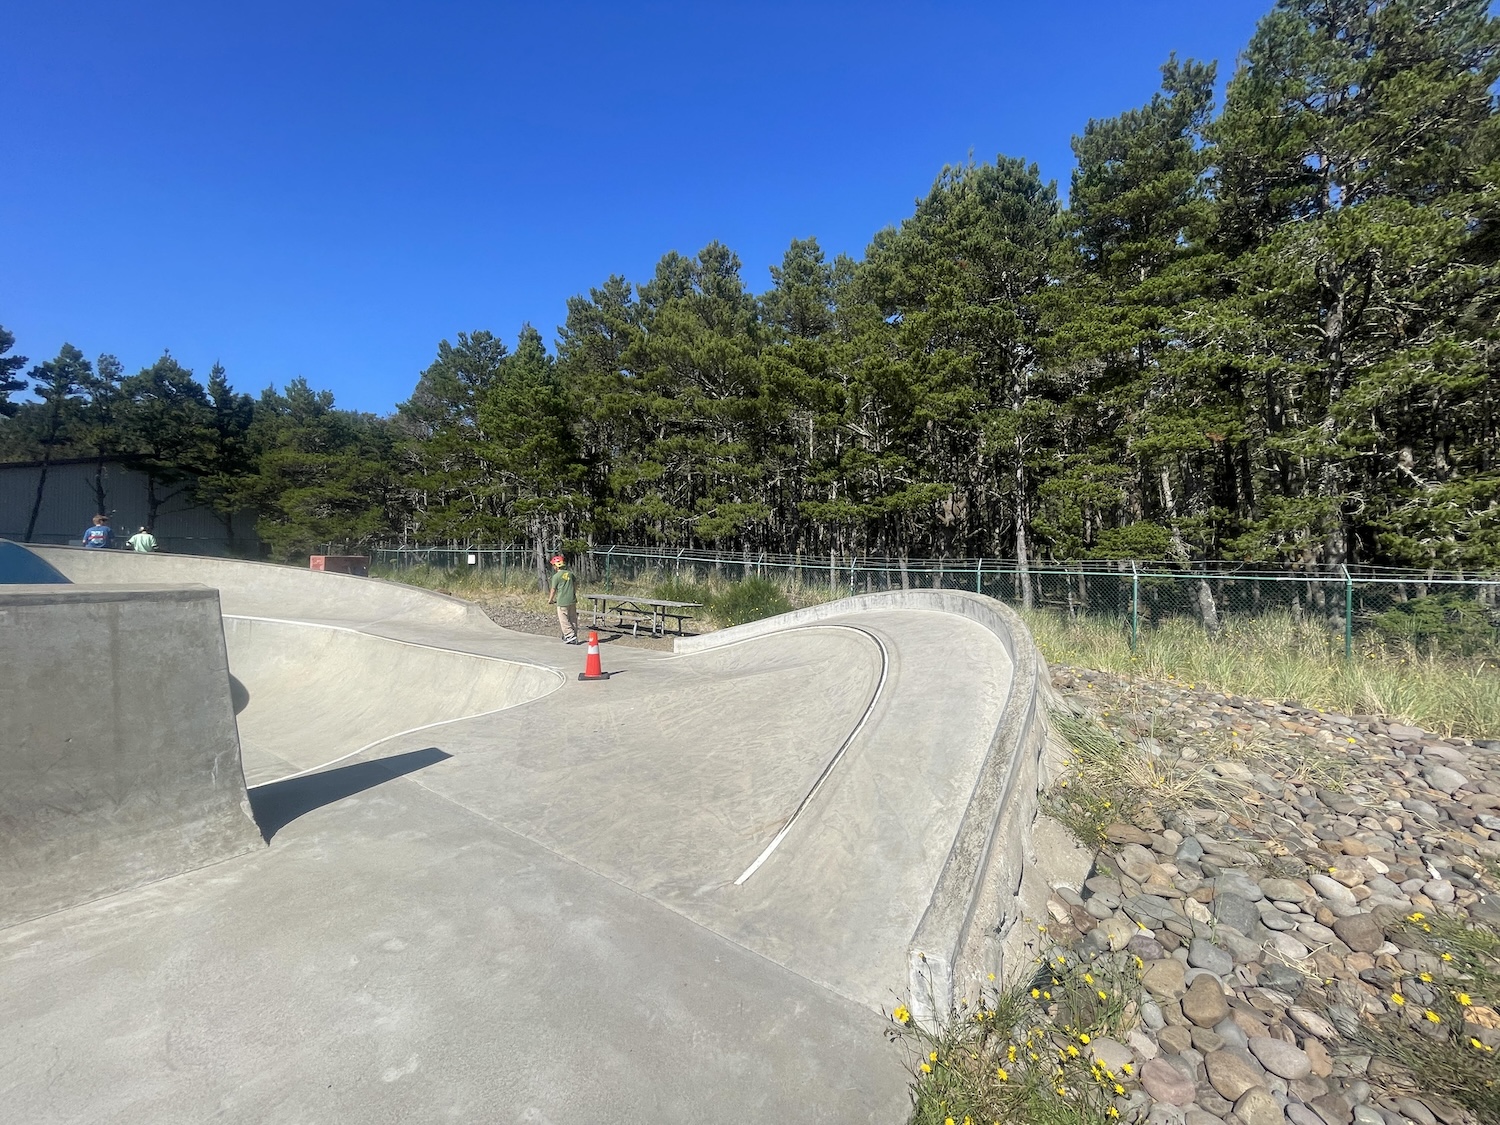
x: 1274, y: 657
x: 472, y: 584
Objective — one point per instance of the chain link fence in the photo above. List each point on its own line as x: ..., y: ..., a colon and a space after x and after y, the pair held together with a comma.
x: 1453, y: 611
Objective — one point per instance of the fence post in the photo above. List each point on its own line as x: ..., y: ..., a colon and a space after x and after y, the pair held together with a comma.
x: 1135, y: 605
x: 979, y: 576
x: 1348, y: 614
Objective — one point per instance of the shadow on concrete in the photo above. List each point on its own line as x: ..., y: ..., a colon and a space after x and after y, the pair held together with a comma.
x: 279, y: 803
x: 239, y: 694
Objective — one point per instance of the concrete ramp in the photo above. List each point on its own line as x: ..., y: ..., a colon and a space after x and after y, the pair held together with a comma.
x: 311, y: 695
x: 266, y: 589
x: 119, y: 761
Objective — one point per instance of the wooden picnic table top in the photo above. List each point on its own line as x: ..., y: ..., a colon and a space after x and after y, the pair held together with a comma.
x: 658, y: 603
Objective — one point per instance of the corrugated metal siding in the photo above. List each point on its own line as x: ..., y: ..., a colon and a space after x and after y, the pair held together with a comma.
x: 69, y: 504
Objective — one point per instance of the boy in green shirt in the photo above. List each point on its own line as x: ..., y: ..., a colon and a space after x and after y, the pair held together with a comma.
x: 564, y: 593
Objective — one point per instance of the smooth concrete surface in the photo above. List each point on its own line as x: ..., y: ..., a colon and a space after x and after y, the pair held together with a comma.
x: 397, y: 959
x: 685, y: 893
x: 118, y: 757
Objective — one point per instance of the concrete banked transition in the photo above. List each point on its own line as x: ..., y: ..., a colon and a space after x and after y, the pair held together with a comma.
x: 462, y: 884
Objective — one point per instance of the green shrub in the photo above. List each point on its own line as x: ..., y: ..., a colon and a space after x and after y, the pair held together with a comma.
x: 749, y: 600
x: 677, y: 589
x: 1444, y: 622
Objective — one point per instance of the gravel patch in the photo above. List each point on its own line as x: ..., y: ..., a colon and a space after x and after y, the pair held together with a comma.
x: 1264, y: 909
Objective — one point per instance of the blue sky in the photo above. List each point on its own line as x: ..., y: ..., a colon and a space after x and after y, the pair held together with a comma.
x: 329, y: 189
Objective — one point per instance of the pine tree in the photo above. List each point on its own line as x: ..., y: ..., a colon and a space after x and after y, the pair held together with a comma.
x: 56, y: 384
x: 10, y: 380
x: 1351, y: 200
x: 448, y: 480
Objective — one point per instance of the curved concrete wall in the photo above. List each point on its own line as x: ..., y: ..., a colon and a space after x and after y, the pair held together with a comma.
x: 267, y: 588
x: 313, y: 693
x: 316, y: 693
x: 1006, y: 857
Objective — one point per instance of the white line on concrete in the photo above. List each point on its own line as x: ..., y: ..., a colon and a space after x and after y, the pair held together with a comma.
x: 885, y: 664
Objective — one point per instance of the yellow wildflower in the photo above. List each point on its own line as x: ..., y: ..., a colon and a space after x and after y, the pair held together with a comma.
x: 1447, y: 956
x: 1119, y: 1089
x: 901, y: 1015
x: 1088, y: 978
x: 1397, y: 998
x: 1415, y: 916
x: 933, y: 1056
x: 1002, y: 1074
x: 1072, y: 1051
x: 1128, y: 1068
x: 1425, y: 978
x: 1101, y: 994
x: 1083, y: 1037
x: 1433, y: 1017
x: 1035, y: 992
x: 1464, y: 999
x: 926, y: 1068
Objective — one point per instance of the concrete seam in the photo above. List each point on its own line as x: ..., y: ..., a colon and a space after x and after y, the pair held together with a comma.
x: 689, y: 919
x: 838, y: 755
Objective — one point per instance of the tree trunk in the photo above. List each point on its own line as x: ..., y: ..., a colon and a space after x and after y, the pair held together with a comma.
x: 1023, y: 567
x: 36, y: 503
x: 99, y: 497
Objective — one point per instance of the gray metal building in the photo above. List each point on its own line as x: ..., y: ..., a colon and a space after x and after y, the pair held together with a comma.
x: 70, y: 501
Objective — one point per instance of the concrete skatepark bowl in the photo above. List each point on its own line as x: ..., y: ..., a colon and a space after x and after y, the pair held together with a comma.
x: 477, y: 889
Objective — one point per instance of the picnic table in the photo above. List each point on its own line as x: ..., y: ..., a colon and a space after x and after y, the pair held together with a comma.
x: 656, y: 611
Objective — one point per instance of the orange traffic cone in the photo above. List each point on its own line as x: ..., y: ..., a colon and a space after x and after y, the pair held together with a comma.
x: 592, y: 668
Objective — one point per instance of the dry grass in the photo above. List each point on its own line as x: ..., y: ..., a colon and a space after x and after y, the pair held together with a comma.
x: 1111, y: 780
x: 1275, y: 658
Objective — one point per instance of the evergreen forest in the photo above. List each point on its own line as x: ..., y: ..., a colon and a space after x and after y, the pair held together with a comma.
x: 1263, y: 327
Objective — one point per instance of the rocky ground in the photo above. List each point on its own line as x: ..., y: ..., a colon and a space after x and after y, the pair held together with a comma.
x: 1290, y: 890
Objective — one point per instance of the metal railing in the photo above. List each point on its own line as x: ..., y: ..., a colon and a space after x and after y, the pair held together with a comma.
x: 1139, y: 595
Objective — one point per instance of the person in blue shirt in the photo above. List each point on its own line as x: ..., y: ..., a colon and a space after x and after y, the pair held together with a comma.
x: 100, y: 535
